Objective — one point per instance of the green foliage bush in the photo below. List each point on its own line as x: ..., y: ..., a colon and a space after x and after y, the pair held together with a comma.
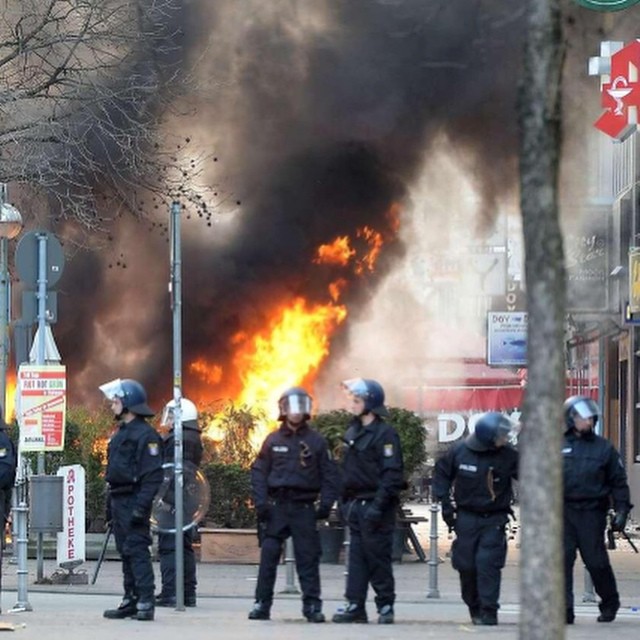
x: 231, y: 502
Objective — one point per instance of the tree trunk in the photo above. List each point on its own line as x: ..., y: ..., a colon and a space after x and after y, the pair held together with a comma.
x: 542, y: 583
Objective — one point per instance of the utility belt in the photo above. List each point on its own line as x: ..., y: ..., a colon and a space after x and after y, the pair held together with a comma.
x: 122, y: 489
x: 287, y: 494
x: 358, y: 494
x: 488, y: 514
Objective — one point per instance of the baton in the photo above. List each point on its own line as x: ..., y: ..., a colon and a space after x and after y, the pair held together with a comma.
x: 103, y: 552
x: 630, y: 541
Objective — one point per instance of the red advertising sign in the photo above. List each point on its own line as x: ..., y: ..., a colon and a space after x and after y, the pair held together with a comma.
x: 621, y: 96
x: 42, y: 400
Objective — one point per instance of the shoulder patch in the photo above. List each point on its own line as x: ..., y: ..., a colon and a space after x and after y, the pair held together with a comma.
x: 154, y: 448
x: 388, y: 450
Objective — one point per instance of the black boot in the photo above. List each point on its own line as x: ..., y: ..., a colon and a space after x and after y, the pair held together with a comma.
x: 385, y: 614
x: 608, y: 614
x: 260, y: 611
x: 570, y: 616
x: 351, y: 613
x: 163, y: 600
x: 126, y: 609
x: 488, y: 617
x: 313, y: 613
x: 146, y: 610
x: 189, y: 599
x: 475, y: 614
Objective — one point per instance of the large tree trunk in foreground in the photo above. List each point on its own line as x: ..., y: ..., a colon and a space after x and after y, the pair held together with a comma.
x: 541, y: 582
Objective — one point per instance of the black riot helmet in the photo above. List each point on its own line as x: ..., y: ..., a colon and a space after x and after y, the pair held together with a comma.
x: 131, y: 393
x: 294, y: 401
x: 370, y: 391
x: 490, y: 427
x: 579, y: 406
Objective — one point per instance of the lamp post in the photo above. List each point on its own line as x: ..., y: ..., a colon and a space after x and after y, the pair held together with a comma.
x: 10, y: 227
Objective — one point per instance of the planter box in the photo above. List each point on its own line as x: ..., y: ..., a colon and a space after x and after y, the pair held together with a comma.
x: 232, y: 546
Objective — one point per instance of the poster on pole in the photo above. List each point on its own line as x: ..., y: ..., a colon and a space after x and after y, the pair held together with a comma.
x: 507, y: 339
x: 41, y: 406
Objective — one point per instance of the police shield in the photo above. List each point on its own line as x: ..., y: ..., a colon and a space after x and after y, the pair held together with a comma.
x: 196, y: 499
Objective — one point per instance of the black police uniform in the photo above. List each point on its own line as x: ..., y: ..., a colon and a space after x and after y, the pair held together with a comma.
x: 594, y: 477
x: 8, y: 464
x: 192, y: 455
x: 482, y: 490
x: 134, y: 473
x: 373, y: 476
x: 292, y: 470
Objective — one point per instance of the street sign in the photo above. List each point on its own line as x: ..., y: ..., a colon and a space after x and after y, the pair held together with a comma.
x: 70, y: 548
x: 27, y: 259
x: 507, y: 339
x: 42, y: 401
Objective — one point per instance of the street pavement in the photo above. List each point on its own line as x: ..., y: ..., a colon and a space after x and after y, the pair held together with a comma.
x: 225, y: 595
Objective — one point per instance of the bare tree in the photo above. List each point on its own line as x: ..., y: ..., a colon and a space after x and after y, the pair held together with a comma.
x: 84, y: 85
x: 542, y: 590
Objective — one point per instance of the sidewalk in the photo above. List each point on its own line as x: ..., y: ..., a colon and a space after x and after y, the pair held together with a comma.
x: 225, y: 595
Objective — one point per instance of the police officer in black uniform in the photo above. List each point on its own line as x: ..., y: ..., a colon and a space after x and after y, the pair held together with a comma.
x: 134, y: 473
x: 293, y: 469
x: 594, y: 480
x: 479, y: 472
x: 373, y: 476
x: 8, y: 464
x: 192, y: 455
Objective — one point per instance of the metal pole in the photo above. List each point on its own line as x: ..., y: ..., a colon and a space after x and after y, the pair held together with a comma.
x: 433, y: 553
x: 22, y: 538
x: 42, y: 327
x: 176, y: 305
x: 289, y: 561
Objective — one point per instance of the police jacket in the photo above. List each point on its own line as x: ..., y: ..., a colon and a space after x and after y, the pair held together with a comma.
x: 294, y: 465
x: 191, y: 444
x: 372, y: 466
x: 481, y: 481
x: 8, y: 461
x: 593, y: 473
x: 134, y: 463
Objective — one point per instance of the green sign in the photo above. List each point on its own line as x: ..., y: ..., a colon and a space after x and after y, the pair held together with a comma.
x: 607, y: 5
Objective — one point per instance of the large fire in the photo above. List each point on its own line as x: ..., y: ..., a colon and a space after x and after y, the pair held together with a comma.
x: 290, y: 349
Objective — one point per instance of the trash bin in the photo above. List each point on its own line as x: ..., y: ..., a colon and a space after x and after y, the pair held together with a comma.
x: 45, y: 504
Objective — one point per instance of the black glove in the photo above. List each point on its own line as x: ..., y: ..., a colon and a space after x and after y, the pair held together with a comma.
x: 264, y: 513
x: 619, y: 520
x: 323, y: 512
x: 138, y: 516
x: 449, y: 515
x: 373, y: 515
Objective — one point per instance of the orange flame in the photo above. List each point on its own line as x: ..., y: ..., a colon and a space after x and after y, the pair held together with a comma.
x: 10, y: 397
x: 337, y: 252
x: 211, y: 373
x: 374, y: 240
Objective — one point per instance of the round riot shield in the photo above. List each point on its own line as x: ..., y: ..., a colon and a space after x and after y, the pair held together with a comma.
x: 196, y: 499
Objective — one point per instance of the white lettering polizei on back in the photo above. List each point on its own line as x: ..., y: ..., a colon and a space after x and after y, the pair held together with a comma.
x: 468, y: 467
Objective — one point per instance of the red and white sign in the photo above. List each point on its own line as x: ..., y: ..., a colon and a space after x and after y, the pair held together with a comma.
x: 71, y: 540
x: 621, y: 95
x: 41, y: 406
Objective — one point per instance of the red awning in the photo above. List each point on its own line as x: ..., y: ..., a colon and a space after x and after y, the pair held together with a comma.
x: 464, y: 399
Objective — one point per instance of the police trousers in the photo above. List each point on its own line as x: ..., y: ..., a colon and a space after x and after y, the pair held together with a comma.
x: 167, y: 553
x: 133, y: 542
x: 298, y: 520
x: 584, y: 532
x: 370, y: 550
x: 478, y: 553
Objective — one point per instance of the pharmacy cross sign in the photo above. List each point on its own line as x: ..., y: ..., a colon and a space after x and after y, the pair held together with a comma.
x: 621, y: 95
x: 607, y: 5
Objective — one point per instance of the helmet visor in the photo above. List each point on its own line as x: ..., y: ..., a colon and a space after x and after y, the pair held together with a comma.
x: 586, y: 408
x: 356, y: 387
x: 297, y: 404
x: 113, y: 389
x: 504, y: 431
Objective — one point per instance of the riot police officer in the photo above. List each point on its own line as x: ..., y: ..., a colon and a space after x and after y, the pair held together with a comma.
x: 594, y: 480
x: 192, y: 454
x: 373, y: 476
x: 134, y: 473
x: 479, y: 472
x: 8, y: 464
x: 293, y: 469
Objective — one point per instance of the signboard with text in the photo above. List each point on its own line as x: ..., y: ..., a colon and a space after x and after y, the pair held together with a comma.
x: 507, y: 339
x: 41, y: 407
x: 71, y: 540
